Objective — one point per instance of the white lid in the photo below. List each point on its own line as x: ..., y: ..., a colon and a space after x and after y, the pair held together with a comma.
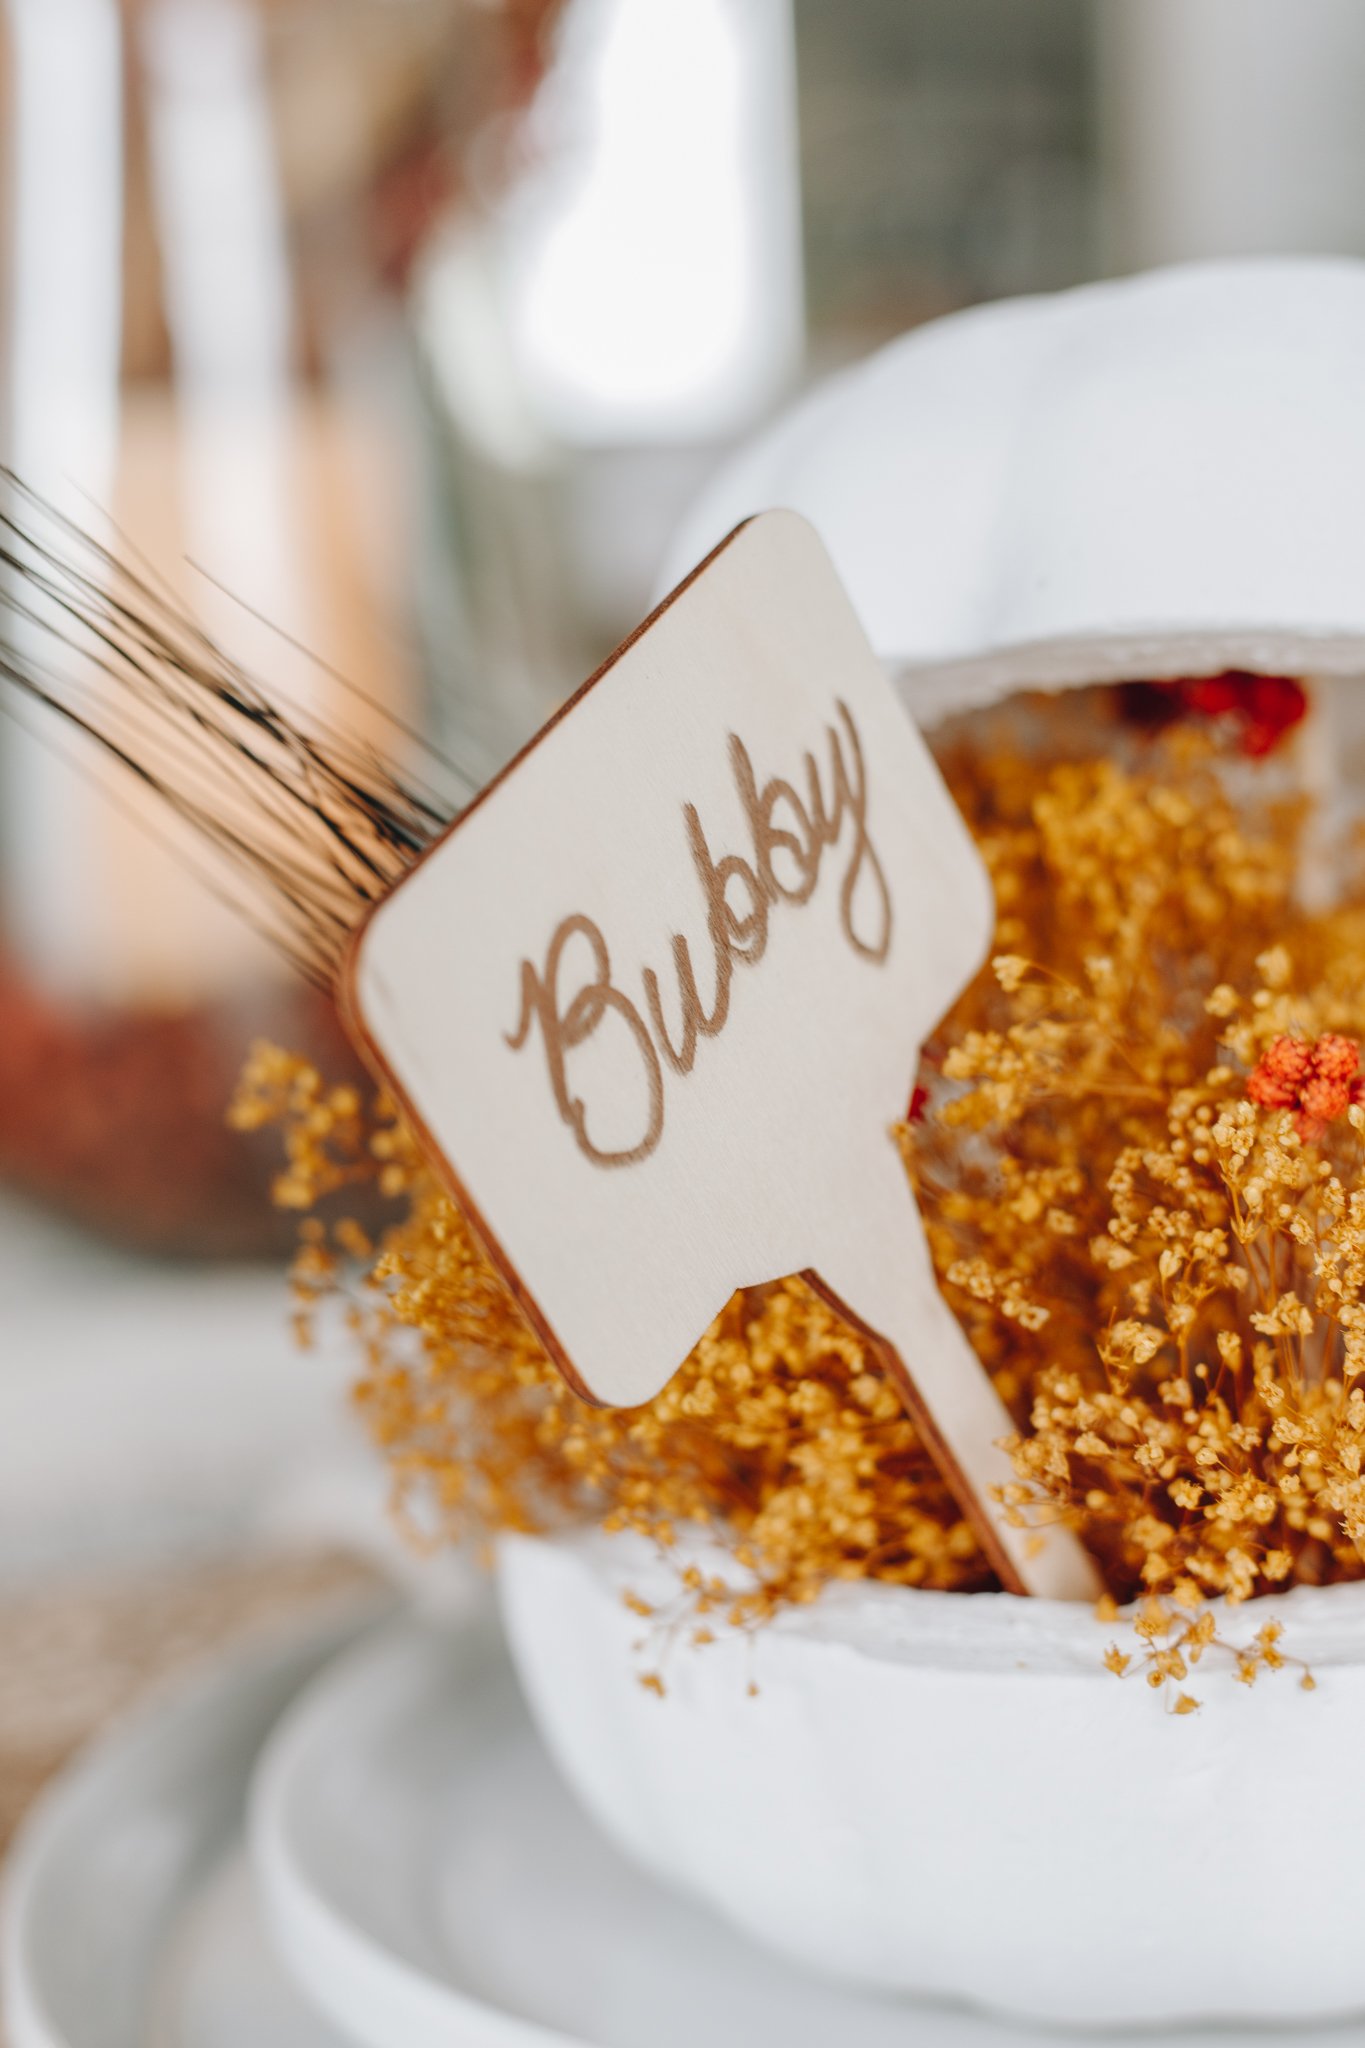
x: 1163, y: 475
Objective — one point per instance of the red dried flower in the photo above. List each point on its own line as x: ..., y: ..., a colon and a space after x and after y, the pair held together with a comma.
x: 1266, y: 707
x: 1319, y: 1078
x: 1285, y: 1067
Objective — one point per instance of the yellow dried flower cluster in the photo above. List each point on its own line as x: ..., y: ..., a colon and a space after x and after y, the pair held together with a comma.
x: 776, y: 1432
x: 1163, y: 1274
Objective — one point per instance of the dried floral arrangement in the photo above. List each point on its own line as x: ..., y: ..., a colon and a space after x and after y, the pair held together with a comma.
x: 1137, y: 1146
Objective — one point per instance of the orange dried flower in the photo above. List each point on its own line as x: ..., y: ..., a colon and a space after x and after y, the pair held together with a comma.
x: 1278, y: 1079
x: 1319, y: 1079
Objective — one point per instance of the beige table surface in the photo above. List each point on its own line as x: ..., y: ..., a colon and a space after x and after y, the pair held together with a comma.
x: 78, y: 1653
x: 175, y: 1477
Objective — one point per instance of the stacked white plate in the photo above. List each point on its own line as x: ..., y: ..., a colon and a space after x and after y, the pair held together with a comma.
x: 359, y: 1839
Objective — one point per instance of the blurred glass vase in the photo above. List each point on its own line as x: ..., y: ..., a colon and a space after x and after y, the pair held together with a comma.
x: 212, y: 206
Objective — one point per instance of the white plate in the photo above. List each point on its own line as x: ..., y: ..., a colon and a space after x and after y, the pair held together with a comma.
x: 129, y: 1920
x: 430, y: 1883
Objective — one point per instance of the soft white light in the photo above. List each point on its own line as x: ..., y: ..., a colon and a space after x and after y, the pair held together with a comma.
x: 218, y: 204
x: 653, y: 250
x: 220, y: 216
x: 1233, y: 127
x: 64, y: 308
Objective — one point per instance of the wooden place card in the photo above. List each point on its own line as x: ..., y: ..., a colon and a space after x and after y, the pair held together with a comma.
x: 657, y: 997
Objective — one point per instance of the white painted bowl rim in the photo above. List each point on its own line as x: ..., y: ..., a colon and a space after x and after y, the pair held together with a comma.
x: 929, y: 1630
x: 1156, y: 475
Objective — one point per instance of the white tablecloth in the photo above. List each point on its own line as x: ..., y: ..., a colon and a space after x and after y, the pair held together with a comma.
x: 151, y: 1410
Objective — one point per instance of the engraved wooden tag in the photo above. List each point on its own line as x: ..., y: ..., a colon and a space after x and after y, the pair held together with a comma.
x: 658, y: 995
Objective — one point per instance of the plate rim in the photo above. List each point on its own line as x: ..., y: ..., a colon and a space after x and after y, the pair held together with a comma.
x: 85, y: 1792
x: 343, y: 1970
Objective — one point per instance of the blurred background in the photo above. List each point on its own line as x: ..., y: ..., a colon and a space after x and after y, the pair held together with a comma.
x: 395, y: 335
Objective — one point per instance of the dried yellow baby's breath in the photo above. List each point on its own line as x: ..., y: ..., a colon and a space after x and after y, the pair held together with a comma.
x: 1136, y: 1148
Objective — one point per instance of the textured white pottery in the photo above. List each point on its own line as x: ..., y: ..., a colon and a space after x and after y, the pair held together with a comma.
x: 949, y: 1795
x: 1152, y: 477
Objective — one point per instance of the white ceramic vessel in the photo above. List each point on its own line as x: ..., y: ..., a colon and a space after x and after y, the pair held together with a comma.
x: 430, y: 1882
x: 948, y: 1795
x: 1156, y: 476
